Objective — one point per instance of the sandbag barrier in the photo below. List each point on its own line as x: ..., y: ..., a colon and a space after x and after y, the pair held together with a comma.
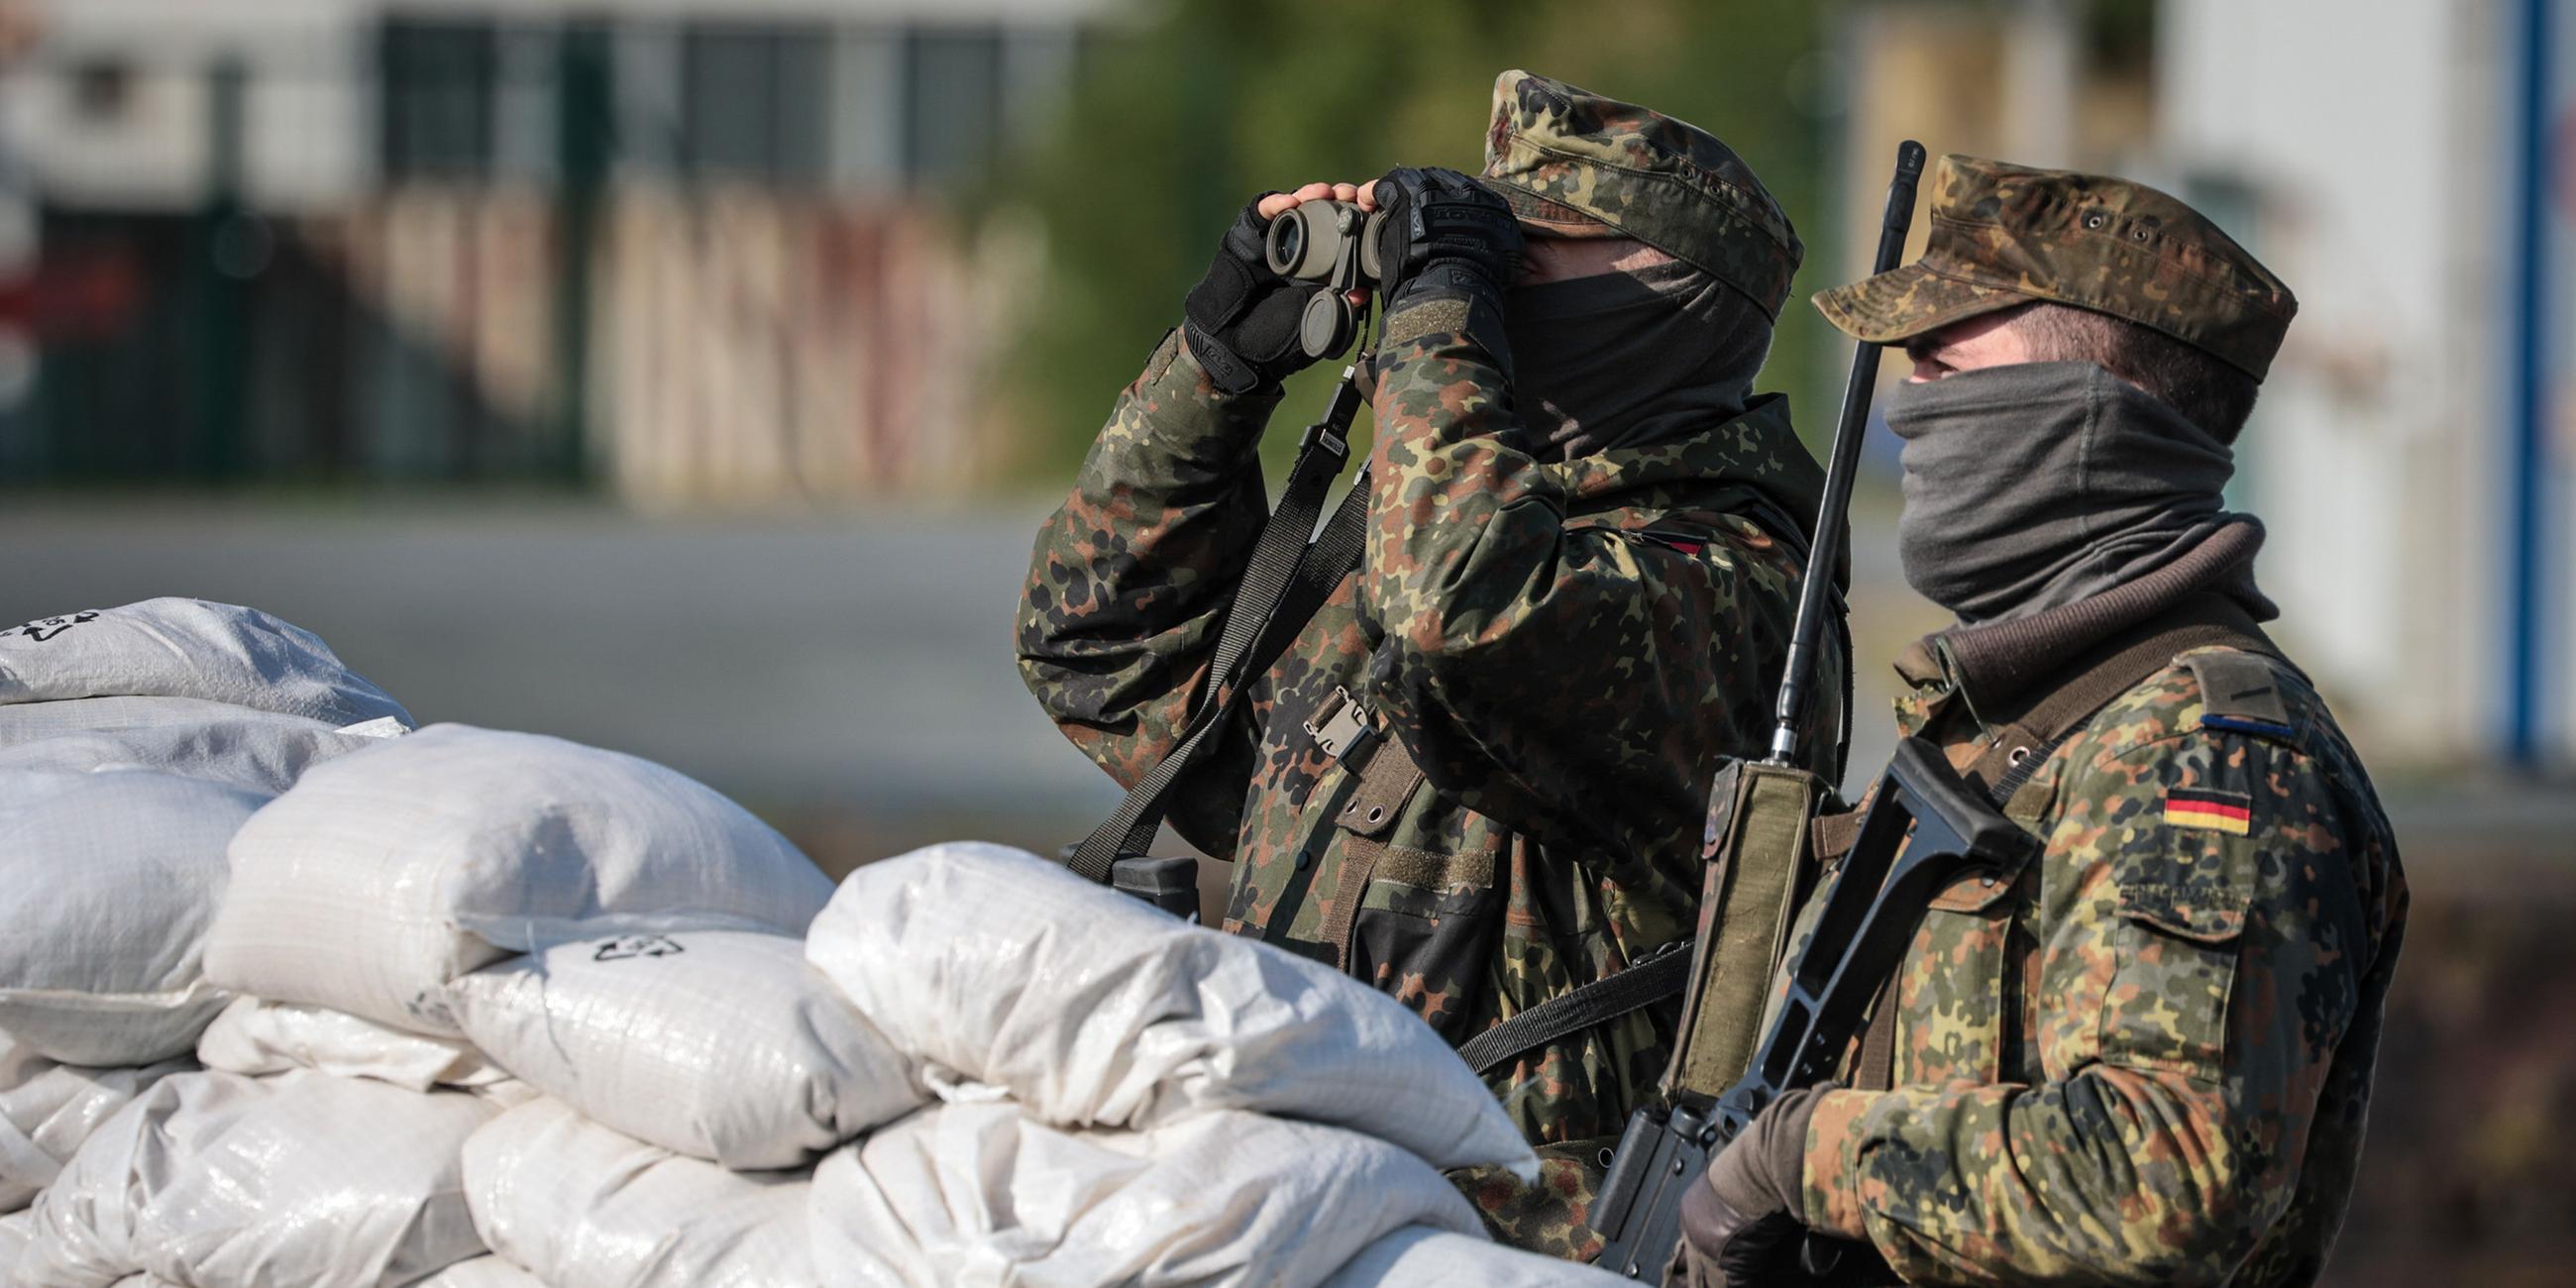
x: 304, y: 997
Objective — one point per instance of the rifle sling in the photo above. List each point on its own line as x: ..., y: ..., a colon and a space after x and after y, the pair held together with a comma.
x: 1748, y: 895
x: 1286, y: 580
x: 1653, y: 978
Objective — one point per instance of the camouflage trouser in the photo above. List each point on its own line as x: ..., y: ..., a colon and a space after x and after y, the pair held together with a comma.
x: 1547, y: 1215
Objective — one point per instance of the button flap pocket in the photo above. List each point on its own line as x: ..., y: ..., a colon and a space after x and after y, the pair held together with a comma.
x: 2196, y: 885
x: 2209, y: 914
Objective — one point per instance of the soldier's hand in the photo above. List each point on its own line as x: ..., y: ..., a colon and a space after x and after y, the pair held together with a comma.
x: 1744, y: 1222
x: 1444, y: 233
x: 1240, y: 321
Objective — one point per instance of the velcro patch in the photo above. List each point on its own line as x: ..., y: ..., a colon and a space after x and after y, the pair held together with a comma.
x: 2210, y: 811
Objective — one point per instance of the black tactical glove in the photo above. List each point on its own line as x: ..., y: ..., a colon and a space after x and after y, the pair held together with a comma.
x: 1444, y: 233
x: 1744, y: 1223
x: 1241, y: 319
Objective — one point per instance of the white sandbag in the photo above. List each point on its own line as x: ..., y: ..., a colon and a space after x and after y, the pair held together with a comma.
x: 258, y: 751
x: 48, y: 1109
x: 113, y: 879
x: 482, y: 1272
x: 1089, y: 1007
x: 187, y: 648
x: 1421, y: 1257
x: 978, y: 1194
x: 386, y: 873
x: 16, y: 1228
x: 581, y: 1206
x: 214, y: 1180
x: 258, y: 1037
x: 721, y: 1045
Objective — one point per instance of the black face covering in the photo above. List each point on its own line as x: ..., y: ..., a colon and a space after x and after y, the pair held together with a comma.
x: 1629, y: 359
x: 2036, y: 485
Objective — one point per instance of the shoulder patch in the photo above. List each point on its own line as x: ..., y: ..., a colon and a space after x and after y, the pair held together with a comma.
x: 2229, y: 812
x: 2240, y: 692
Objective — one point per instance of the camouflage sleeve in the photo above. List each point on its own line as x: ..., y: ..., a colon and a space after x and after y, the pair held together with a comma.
x: 1535, y: 670
x: 1132, y: 575
x: 2202, y: 943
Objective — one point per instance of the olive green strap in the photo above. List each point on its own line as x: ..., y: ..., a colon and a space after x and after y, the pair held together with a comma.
x: 1745, y: 910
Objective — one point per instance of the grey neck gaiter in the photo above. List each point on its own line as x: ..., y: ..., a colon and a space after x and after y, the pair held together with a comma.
x: 1630, y: 359
x: 2036, y: 485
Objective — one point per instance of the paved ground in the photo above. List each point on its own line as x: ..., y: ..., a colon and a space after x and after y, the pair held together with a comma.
x: 848, y: 675
x: 842, y: 671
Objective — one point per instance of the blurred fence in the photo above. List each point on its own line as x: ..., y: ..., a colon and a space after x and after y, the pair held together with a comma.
x: 690, y: 254
x: 765, y: 348
x: 751, y: 345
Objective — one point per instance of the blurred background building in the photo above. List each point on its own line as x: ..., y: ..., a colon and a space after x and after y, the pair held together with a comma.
x: 688, y: 376
x: 681, y: 251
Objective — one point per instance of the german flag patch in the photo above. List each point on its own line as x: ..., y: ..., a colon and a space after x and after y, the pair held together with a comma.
x: 2210, y: 811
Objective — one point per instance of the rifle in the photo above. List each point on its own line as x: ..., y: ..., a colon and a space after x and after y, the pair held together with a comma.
x: 1925, y: 826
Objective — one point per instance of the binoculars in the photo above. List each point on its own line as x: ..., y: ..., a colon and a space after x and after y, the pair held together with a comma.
x: 1332, y: 244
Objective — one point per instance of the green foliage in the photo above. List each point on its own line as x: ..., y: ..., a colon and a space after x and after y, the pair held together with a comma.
x: 1176, y: 123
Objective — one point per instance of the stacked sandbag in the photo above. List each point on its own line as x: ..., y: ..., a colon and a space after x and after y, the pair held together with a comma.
x: 187, y: 648
x: 357, y: 897
x: 133, y: 742
x: 482, y: 1272
x: 113, y: 877
x: 720, y: 1045
x: 580, y: 1206
x: 48, y: 1108
x: 213, y: 1178
x: 388, y: 873
x: 1089, y: 1008
x: 1126, y: 1099
x: 256, y: 1038
x: 1133, y: 1099
x: 504, y: 1010
x: 1424, y: 1257
x: 985, y: 1194
x: 257, y: 751
x: 16, y: 1228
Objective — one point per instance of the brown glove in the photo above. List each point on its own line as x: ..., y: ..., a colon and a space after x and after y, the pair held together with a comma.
x: 1745, y: 1223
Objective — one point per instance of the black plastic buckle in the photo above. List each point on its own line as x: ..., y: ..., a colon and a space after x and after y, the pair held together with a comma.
x: 1171, y: 884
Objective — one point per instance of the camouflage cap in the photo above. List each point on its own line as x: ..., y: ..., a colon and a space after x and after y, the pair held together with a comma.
x: 2004, y: 235
x: 1579, y: 165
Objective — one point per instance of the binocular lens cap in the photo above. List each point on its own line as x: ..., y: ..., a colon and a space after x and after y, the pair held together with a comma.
x: 1325, y: 328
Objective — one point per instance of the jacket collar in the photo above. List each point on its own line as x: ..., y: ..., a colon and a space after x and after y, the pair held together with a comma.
x: 1993, y: 665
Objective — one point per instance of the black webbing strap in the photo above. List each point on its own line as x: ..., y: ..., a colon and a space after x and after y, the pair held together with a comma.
x: 1652, y: 978
x: 1286, y: 579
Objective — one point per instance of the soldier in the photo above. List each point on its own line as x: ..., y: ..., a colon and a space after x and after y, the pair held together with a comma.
x: 1477, y: 779
x: 2145, y: 1056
